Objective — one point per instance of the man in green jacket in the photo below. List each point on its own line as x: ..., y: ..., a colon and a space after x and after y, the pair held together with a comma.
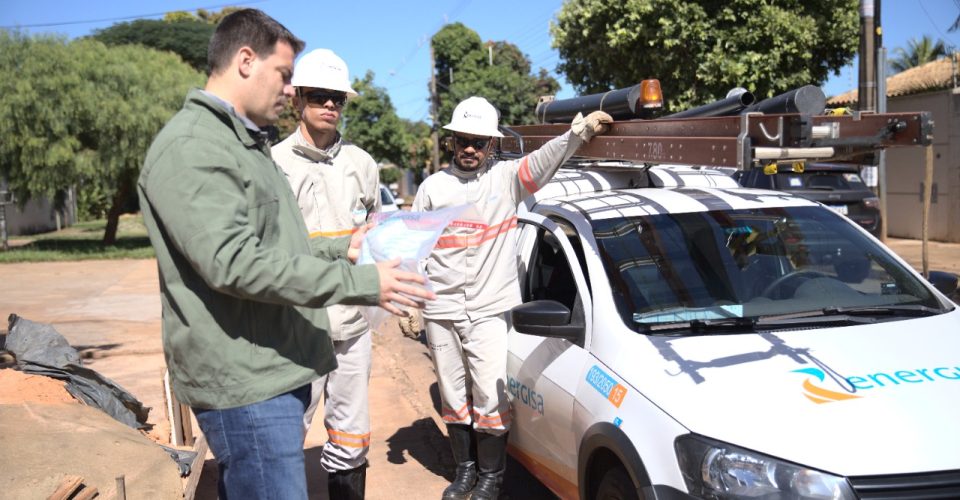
x: 242, y: 287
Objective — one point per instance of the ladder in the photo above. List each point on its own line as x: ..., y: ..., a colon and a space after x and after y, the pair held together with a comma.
x: 739, y: 141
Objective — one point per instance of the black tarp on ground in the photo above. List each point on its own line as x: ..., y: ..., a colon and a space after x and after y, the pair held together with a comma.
x: 41, y: 350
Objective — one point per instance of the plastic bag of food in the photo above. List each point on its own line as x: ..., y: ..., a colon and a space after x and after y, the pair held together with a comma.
x: 410, y: 237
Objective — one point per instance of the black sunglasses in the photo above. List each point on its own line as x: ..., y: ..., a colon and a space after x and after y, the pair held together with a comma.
x: 477, y: 143
x: 320, y: 98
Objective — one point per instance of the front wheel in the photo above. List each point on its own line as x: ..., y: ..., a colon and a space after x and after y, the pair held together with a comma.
x: 616, y: 485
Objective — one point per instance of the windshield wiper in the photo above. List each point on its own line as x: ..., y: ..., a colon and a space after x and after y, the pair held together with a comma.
x: 855, y: 314
x: 734, y: 325
x: 890, y: 309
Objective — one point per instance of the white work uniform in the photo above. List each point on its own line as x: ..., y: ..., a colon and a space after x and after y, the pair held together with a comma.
x: 337, y: 189
x: 473, y: 270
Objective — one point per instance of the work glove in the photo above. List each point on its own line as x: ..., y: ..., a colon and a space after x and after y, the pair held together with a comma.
x: 595, y: 123
x: 410, y: 324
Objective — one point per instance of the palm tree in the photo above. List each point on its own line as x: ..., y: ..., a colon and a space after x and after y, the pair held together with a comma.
x: 917, y: 53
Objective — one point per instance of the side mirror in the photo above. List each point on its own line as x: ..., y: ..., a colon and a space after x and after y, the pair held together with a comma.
x: 945, y: 282
x: 545, y: 318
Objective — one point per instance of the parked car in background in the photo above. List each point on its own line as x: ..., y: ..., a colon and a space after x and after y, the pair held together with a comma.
x: 836, y: 185
x: 387, y: 202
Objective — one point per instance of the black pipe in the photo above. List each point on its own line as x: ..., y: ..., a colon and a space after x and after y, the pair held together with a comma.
x: 728, y: 106
x: 807, y: 100
x: 621, y: 104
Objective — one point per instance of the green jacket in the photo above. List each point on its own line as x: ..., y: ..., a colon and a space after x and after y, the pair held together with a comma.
x: 241, y: 285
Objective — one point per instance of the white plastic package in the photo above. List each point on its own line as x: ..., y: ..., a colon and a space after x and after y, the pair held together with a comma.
x: 409, y: 236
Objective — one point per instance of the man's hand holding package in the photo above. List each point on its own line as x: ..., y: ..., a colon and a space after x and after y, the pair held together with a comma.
x: 395, y: 286
x: 356, y: 241
x: 593, y: 124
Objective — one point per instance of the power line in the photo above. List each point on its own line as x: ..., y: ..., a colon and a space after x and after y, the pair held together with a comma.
x: 924, y: 9
x: 91, y: 21
x: 425, y: 38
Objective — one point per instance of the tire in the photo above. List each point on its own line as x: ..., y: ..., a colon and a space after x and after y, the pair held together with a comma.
x: 616, y: 485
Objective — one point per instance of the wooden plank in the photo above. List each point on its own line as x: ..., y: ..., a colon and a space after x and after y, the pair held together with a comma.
x: 186, y: 425
x: 196, y: 467
x: 67, y: 487
x: 86, y: 494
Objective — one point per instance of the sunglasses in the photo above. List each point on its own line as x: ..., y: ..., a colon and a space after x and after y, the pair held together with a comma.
x: 320, y: 98
x: 477, y: 143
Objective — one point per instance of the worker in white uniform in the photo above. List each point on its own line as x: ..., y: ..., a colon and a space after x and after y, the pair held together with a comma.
x: 473, y: 271
x: 337, y: 188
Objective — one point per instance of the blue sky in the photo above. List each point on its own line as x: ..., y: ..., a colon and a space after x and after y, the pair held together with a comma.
x: 391, y: 38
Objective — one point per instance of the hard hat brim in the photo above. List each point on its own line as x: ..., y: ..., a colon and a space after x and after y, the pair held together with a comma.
x: 488, y: 133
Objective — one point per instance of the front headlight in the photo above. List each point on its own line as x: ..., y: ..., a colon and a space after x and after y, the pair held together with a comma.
x: 716, y: 470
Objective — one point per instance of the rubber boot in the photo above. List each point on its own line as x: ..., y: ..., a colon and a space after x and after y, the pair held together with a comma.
x: 347, y: 484
x: 463, y: 443
x: 492, y: 461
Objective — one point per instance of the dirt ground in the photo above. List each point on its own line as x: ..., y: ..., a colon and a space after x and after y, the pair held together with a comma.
x: 110, y: 312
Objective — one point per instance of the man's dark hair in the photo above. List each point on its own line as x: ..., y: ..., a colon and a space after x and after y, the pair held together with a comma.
x: 251, y: 28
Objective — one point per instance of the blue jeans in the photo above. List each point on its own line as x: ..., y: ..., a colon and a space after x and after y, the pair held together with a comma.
x: 259, y: 447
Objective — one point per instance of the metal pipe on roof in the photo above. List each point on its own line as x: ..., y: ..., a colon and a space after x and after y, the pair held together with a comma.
x: 730, y: 105
x: 807, y: 100
x: 621, y: 104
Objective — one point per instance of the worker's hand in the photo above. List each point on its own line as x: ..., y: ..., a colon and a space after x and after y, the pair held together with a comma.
x: 397, y: 286
x: 356, y: 241
x: 591, y: 125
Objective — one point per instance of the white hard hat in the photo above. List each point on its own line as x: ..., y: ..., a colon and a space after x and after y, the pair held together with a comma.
x: 322, y: 69
x: 474, y: 115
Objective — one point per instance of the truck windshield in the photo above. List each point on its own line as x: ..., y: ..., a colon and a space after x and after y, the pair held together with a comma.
x: 713, y: 266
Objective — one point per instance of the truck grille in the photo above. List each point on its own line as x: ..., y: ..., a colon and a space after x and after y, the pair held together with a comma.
x: 945, y: 484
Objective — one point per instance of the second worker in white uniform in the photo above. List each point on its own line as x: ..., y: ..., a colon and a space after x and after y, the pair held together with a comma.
x: 473, y: 271
x: 337, y: 188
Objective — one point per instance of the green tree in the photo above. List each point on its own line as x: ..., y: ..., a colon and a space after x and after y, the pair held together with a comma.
x: 371, y: 122
x: 497, y: 71
x: 186, y: 38
x: 418, y: 148
x: 202, y: 15
x: 917, y: 53
x: 700, y: 50
x: 83, y: 114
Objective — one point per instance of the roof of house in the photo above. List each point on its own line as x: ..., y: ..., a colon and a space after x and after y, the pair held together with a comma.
x: 934, y: 75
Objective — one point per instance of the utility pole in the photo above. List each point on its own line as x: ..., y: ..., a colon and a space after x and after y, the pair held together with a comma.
x: 6, y: 198
x: 867, y: 87
x: 881, y: 108
x: 434, y: 135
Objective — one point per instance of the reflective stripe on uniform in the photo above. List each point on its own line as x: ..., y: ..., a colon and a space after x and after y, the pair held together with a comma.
x: 347, y: 439
x: 457, y: 416
x: 332, y: 234
x: 526, y: 178
x: 476, y: 239
x: 496, y: 421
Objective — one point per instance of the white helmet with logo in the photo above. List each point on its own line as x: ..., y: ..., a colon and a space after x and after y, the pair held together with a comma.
x: 476, y: 116
x: 322, y: 69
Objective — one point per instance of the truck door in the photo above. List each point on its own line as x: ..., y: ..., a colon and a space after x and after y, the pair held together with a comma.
x: 543, y: 372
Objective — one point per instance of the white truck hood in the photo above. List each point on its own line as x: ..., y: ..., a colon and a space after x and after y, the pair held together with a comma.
x: 774, y: 393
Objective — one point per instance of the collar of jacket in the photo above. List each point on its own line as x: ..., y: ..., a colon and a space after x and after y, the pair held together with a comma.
x: 313, y: 153
x: 469, y: 174
x: 228, y: 115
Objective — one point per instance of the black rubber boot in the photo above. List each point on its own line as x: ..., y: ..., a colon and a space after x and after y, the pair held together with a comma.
x: 347, y: 484
x: 492, y: 461
x: 463, y: 443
